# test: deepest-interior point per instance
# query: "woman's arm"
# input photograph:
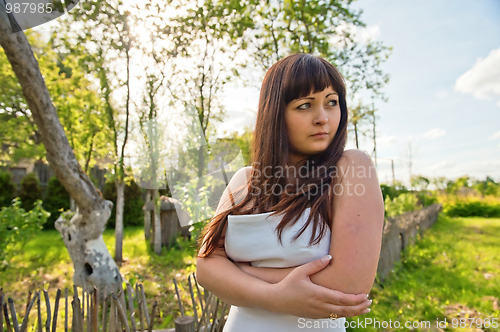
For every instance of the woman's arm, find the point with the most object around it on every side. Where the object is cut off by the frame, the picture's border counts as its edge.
(294, 295)
(357, 227)
(272, 275)
(356, 231)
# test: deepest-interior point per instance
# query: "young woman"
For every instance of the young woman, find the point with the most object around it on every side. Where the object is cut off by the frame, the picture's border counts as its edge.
(296, 237)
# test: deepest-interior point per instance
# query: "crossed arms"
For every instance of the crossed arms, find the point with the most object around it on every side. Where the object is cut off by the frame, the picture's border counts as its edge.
(321, 287)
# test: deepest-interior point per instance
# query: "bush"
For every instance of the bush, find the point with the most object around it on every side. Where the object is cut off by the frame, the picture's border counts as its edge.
(472, 207)
(400, 204)
(56, 200)
(18, 225)
(30, 191)
(426, 198)
(7, 189)
(393, 191)
(132, 211)
(487, 187)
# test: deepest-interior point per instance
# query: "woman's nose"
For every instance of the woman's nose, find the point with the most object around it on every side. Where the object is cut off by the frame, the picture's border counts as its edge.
(321, 117)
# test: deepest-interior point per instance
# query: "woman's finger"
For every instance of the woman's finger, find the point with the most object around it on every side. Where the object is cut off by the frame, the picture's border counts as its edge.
(351, 311)
(343, 299)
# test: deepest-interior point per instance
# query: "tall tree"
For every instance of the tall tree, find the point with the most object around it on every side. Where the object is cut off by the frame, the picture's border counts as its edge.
(358, 116)
(210, 57)
(108, 38)
(194, 58)
(78, 107)
(82, 233)
(78, 104)
(151, 177)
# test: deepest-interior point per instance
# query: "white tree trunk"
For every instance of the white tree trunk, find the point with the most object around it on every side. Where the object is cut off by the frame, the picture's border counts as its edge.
(93, 264)
(120, 202)
(157, 233)
(82, 233)
(147, 216)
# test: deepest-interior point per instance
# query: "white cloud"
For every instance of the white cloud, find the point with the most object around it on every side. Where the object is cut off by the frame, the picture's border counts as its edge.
(482, 80)
(434, 133)
(495, 136)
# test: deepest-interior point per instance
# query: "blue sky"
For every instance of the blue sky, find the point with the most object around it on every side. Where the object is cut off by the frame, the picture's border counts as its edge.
(452, 124)
(444, 92)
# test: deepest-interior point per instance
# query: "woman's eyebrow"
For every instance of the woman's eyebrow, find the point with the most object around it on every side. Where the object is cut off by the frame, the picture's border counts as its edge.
(312, 98)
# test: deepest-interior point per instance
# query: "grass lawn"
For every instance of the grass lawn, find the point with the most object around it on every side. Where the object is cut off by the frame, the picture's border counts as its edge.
(452, 274)
(44, 263)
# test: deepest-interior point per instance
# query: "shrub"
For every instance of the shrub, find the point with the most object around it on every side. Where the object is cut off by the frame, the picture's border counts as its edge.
(134, 215)
(30, 191)
(393, 191)
(7, 189)
(472, 207)
(56, 200)
(487, 187)
(132, 211)
(426, 198)
(16, 226)
(400, 204)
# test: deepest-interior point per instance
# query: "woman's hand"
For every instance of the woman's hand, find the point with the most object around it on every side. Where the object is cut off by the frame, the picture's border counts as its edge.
(296, 294)
(299, 296)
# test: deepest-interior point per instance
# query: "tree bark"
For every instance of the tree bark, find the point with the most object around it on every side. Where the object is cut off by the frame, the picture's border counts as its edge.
(157, 221)
(356, 135)
(147, 216)
(82, 233)
(120, 200)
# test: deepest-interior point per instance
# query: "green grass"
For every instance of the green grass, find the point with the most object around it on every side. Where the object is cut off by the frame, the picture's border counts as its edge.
(44, 263)
(453, 273)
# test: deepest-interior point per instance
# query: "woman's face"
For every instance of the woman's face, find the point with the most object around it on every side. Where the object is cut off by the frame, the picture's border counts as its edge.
(311, 122)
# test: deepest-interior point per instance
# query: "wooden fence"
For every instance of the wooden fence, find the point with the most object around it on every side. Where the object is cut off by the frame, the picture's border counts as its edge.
(402, 231)
(126, 310)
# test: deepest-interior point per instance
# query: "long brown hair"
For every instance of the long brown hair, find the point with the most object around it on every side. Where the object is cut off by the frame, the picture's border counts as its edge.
(291, 78)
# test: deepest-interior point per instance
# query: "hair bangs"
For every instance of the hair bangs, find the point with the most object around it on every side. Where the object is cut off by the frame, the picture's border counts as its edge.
(308, 75)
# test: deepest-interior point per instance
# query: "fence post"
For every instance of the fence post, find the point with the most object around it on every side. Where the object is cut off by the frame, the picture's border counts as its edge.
(184, 324)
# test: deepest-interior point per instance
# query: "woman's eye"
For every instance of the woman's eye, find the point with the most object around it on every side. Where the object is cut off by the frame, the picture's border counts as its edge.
(333, 102)
(304, 106)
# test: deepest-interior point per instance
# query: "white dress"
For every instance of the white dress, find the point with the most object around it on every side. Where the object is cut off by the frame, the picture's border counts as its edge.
(252, 238)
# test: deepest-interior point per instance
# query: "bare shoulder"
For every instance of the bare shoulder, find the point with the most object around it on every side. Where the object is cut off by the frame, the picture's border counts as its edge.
(356, 164)
(247, 170)
(241, 177)
(236, 189)
(355, 157)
